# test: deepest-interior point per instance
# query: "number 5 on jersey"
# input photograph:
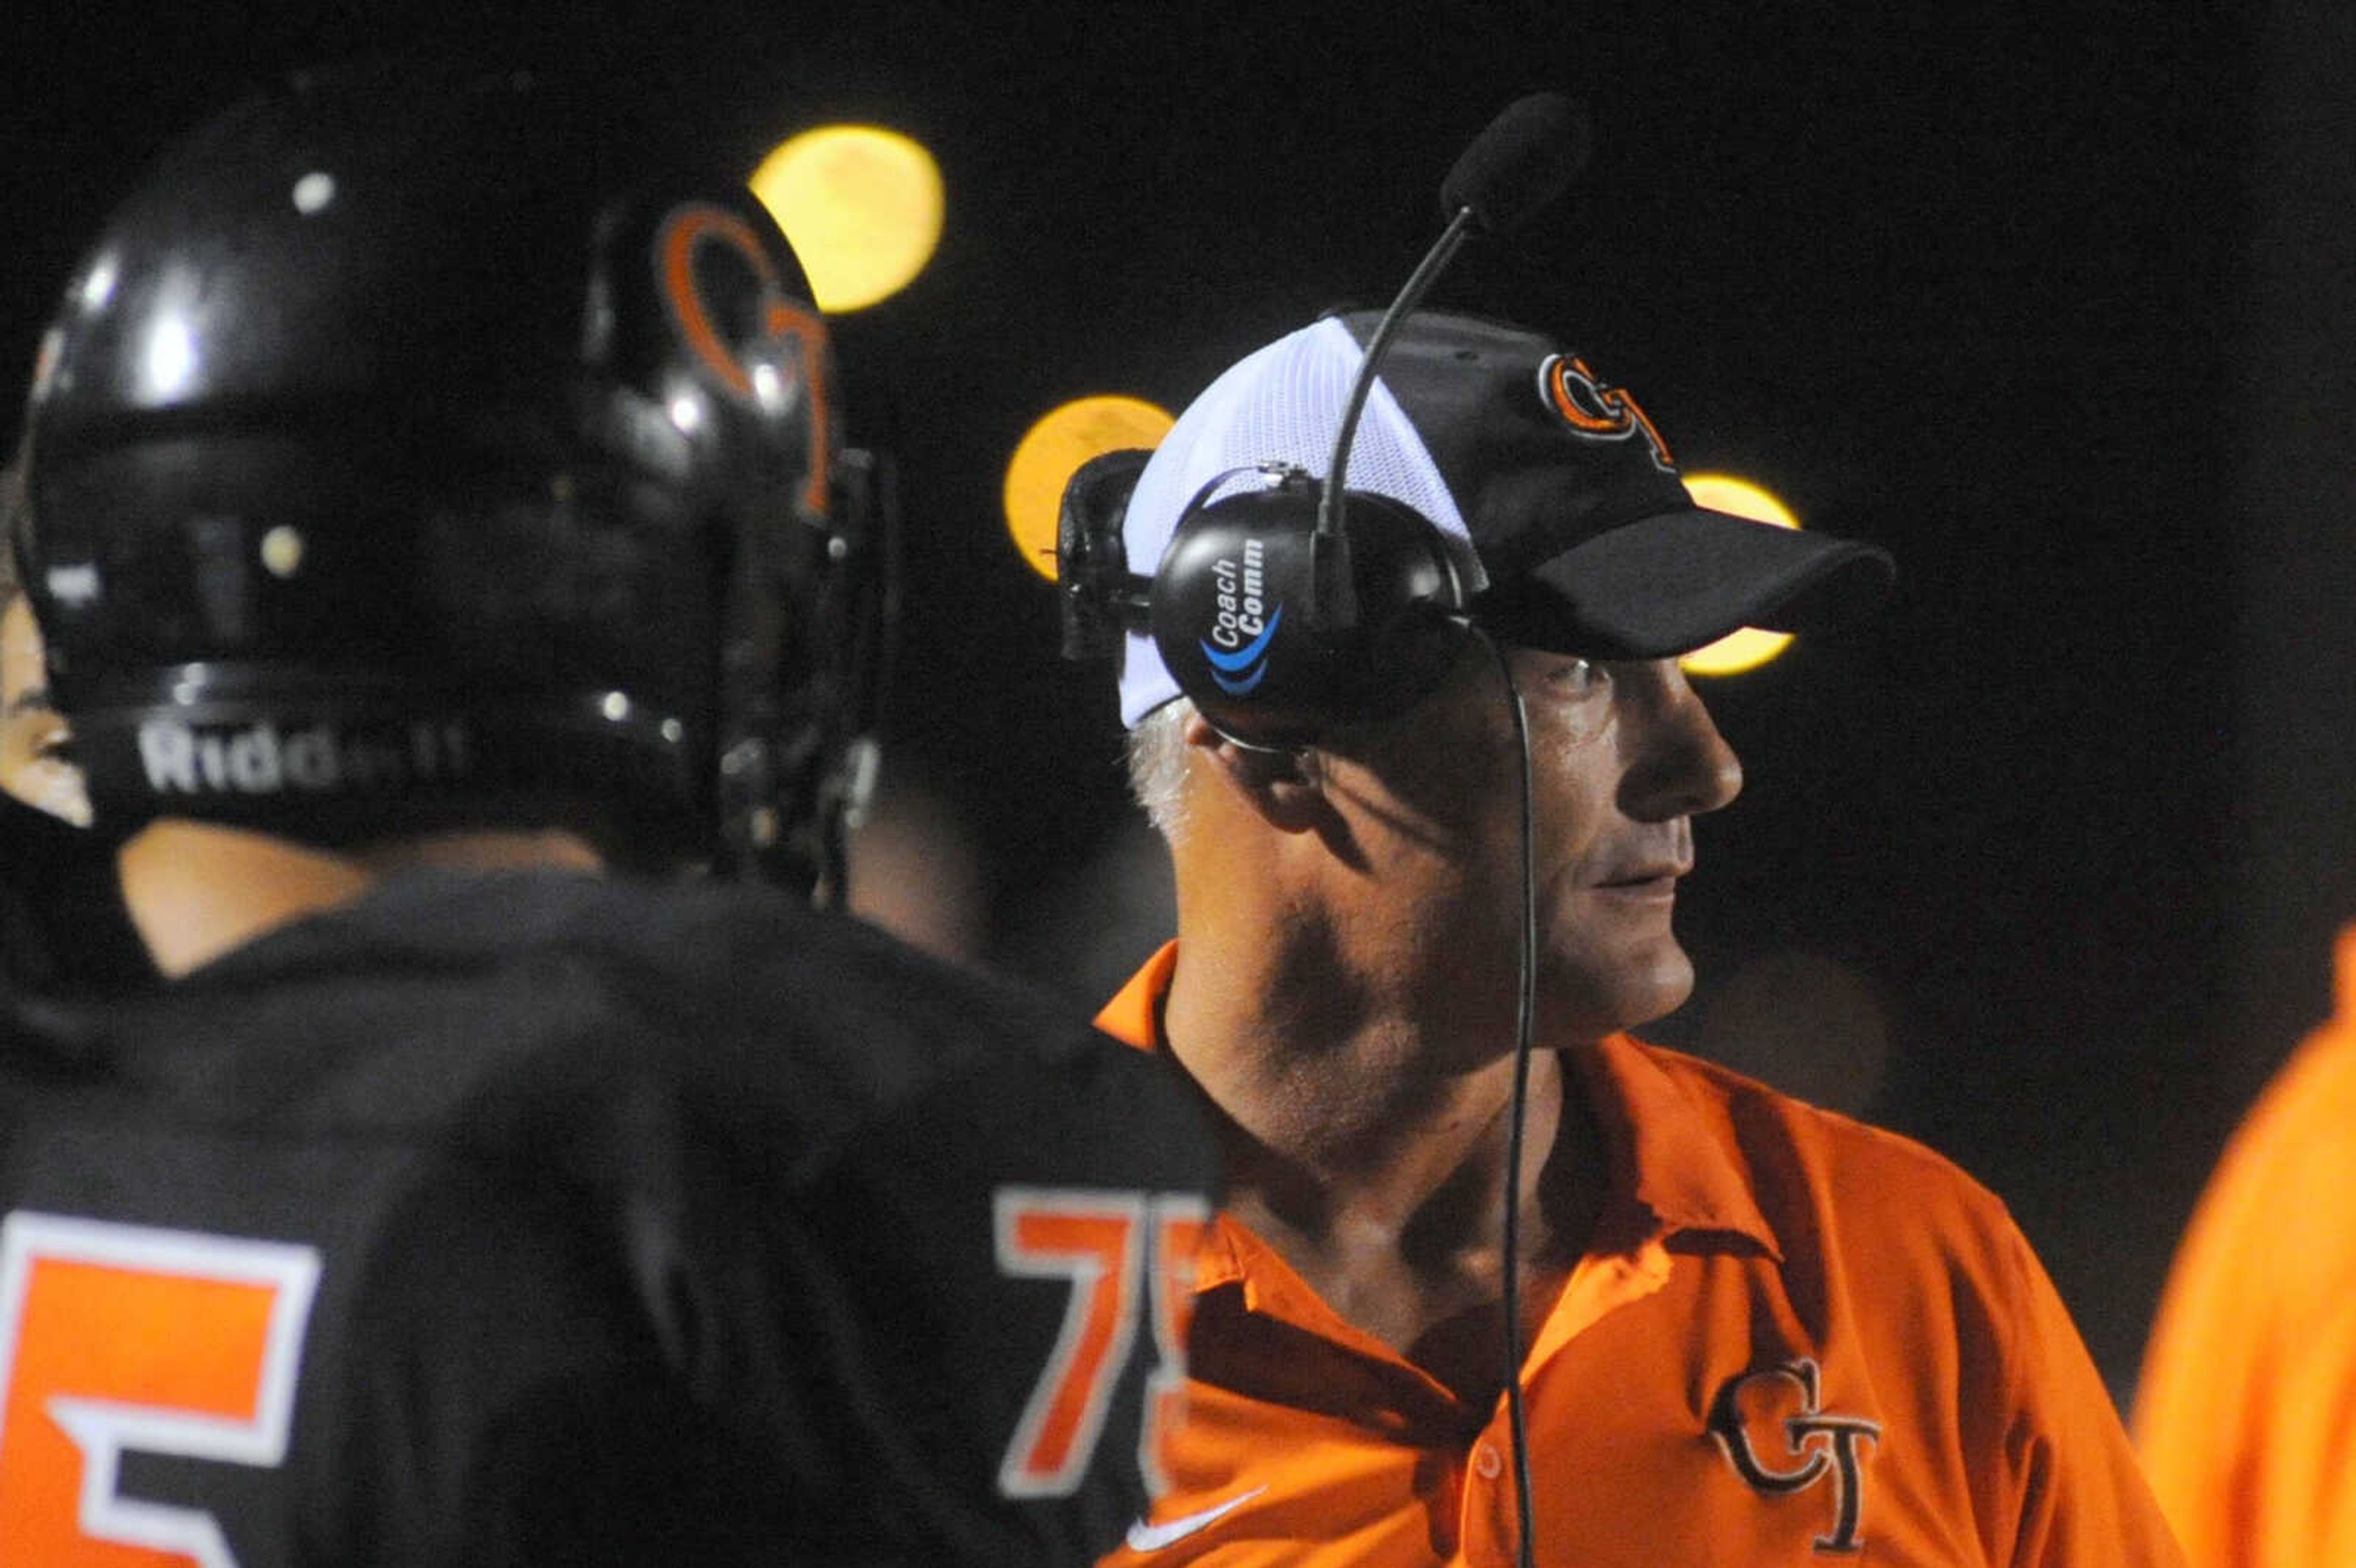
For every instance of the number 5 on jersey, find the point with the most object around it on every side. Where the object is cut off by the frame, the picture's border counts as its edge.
(1108, 1243)
(119, 1337)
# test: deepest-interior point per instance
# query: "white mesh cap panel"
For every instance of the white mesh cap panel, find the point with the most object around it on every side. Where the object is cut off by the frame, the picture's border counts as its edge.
(1281, 404)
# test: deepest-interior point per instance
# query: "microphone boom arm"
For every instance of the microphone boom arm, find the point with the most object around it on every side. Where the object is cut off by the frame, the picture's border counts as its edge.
(1332, 591)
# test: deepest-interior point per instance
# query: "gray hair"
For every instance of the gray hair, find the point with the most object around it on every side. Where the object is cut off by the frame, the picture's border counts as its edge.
(1157, 766)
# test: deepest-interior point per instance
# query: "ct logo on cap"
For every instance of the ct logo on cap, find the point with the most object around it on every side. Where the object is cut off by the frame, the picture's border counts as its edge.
(1593, 410)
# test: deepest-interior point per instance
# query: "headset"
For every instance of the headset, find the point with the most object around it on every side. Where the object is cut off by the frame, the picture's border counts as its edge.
(1383, 606)
(1337, 605)
(1249, 563)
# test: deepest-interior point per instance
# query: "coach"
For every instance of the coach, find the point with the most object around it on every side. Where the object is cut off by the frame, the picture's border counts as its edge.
(1734, 1329)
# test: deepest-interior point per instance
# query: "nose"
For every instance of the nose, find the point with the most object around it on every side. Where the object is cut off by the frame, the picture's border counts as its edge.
(1677, 764)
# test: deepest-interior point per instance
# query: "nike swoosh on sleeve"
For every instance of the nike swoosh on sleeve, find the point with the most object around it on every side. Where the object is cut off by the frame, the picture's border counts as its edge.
(1144, 1537)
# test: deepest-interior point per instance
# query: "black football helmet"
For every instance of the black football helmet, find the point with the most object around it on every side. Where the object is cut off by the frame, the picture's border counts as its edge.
(410, 455)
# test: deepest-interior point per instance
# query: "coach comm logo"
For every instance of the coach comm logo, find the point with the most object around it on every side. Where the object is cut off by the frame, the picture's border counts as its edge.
(1593, 410)
(261, 759)
(1825, 1444)
(1238, 644)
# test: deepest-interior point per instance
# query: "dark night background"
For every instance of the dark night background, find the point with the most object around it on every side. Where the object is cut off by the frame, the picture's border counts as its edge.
(2053, 300)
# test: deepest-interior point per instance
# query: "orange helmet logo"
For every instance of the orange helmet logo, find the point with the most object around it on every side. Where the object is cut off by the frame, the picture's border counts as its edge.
(784, 324)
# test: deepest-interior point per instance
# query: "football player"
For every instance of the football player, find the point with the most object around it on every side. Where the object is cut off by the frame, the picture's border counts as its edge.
(437, 515)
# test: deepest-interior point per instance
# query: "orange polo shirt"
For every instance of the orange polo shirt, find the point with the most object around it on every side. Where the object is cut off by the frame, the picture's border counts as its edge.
(1795, 1339)
(2247, 1409)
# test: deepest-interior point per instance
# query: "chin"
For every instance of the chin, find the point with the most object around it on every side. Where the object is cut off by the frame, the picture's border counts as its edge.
(1628, 994)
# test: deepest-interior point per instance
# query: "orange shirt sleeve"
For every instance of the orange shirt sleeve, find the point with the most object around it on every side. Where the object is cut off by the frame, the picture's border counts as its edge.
(2081, 1495)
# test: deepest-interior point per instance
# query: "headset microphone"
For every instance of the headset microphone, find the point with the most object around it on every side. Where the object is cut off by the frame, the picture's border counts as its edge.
(1521, 165)
(1524, 160)
(1379, 605)
(1284, 608)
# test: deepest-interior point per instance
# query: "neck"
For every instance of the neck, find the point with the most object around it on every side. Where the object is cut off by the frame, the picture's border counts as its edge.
(197, 891)
(1334, 1086)
(1350, 1103)
(1361, 1048)
(1375, 1164)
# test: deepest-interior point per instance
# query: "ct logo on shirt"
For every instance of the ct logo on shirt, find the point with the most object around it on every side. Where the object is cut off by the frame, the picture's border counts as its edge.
(1825, 1444)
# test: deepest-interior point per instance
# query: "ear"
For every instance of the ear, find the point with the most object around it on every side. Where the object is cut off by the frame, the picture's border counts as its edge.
(1283, 785)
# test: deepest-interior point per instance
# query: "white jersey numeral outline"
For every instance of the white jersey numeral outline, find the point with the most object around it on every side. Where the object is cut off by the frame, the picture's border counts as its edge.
(1117, 1247)
(104, 1429)
(1095, 1237)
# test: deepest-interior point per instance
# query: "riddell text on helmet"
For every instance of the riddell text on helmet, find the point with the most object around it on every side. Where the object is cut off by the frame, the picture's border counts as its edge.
(312, 759)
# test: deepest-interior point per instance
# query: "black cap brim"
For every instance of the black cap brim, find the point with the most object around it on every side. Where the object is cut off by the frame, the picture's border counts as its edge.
(1668, 584)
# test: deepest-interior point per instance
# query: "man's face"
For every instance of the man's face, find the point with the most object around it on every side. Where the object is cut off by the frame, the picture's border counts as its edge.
(1622, 755)
(33, 764)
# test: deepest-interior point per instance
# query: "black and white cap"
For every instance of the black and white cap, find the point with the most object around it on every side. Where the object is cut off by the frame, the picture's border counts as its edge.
(1550, 486)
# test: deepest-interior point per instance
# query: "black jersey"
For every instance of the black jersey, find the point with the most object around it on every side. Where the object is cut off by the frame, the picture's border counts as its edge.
(63, 927)
(547, 1217)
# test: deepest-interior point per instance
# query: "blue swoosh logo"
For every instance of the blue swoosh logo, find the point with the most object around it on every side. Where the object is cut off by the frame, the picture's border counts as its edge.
(1239, 687)
(1224, 664)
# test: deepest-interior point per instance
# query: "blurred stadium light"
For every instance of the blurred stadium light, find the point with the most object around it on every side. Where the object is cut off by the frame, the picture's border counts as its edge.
(862, 205)
(1053, 449)
(1749, 647)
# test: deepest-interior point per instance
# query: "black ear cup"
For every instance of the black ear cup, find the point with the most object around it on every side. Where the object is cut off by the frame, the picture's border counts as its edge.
(1231, 617)
(1101, 599)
